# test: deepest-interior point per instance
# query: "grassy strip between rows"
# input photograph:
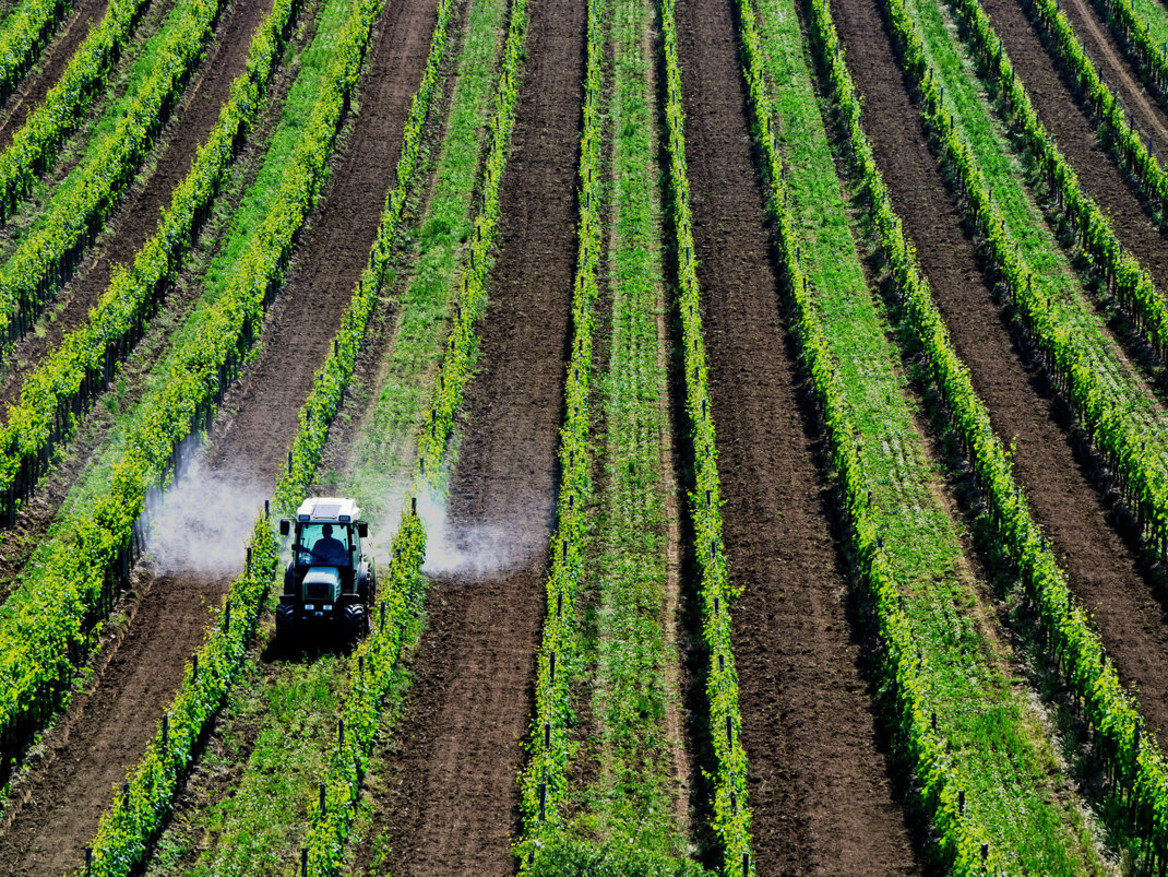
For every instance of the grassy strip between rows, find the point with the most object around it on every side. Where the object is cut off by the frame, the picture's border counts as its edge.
(66, 103)
(986, 777)
(730, 808)
(379, 459)
(1136, 764)
(23, 33)
(544, 780)
(46, 258)
(129, 826)
(1115, 409)
(215, 273)
(374, 661)
(44, 625)
(1111, 712)
(55, 396)
(1134, 289)
(634, 799)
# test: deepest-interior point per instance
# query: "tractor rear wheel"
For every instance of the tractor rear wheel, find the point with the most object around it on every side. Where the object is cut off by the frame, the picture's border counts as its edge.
(354, 621)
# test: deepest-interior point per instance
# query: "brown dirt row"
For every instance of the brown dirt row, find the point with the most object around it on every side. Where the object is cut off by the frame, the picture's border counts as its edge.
(62, 161)
(112, 686)
(47, 72)
(1075, 133)
(332, 252)
(136, 220)
(451, 800)
(110, 727)
(297, 334)
(39, 512)
(820, 790)
(1101, 563)
(1114, 66)
(233, 737)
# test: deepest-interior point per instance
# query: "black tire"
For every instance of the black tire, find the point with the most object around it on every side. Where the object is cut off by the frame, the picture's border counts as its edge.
(354, 621)
(285, 623)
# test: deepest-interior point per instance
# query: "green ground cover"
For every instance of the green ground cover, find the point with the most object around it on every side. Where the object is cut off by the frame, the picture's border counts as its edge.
(1012, 780)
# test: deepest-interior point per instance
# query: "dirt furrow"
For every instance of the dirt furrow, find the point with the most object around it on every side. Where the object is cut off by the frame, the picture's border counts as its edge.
(332, 252)
(137, 219)
(1102, 566)
(55, 57)
(39, 512)
(1075, 133)
(451, 799)
(109, 728)
(74, 788)
(820, 792)
(1114, 67)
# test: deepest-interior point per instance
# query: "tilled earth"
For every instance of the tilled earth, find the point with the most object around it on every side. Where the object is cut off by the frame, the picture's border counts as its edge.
(248, 447)
(137, 218)
(452, 800)
(820, 792)
(1102, 566)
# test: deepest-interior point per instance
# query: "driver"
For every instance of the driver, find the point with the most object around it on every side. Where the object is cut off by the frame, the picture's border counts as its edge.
(328, 550)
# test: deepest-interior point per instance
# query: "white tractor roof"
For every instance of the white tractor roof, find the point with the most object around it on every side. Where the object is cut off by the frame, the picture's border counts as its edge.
(328, 508)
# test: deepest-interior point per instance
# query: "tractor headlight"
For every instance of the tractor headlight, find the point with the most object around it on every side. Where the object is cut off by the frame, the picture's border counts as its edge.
(309, 606)
(328, 607)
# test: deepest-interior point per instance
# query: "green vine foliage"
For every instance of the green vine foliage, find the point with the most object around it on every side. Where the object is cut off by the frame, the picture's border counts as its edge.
(1119, 439)
(462, 343)
(23, 33)
(133, 821)
(544, 780)
(1133, 287)
(372, 666)
(962, 843)
(45, 624)
(731, 810)
(56, 394)
(45, 259)
(64, 107)
(1132, 32)
(1133, 760)
(140, 809)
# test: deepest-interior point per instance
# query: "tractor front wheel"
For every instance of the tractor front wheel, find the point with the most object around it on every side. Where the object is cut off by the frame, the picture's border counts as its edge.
(285, 623)
(354, 621)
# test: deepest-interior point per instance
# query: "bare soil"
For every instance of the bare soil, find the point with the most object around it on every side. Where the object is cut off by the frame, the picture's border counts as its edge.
(820, 790)
(452, 800)
(106, 731)
(137, 218)
(297, 335)
(1113, 65)
(1049, 460)
(55, 57)
(1075, 133)
(40, 510)
(253, 442)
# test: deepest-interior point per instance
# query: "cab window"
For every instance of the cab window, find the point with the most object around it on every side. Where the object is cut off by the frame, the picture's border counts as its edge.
(316, 547)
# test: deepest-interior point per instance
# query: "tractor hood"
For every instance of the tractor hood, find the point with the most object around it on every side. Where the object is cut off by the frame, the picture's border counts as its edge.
(322, 583)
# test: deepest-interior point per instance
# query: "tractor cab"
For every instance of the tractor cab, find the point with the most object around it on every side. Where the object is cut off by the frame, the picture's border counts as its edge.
(329, 579)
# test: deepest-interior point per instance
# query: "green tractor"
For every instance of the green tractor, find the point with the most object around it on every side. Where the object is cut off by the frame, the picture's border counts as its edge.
(329, 583)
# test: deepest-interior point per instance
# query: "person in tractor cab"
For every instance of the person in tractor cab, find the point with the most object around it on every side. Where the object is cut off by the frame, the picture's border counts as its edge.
(329, 550)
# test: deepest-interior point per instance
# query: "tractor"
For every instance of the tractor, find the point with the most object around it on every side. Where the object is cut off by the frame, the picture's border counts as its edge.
(329, 583)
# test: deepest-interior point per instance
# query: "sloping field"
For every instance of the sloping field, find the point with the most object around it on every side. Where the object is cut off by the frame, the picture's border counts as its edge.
(756, 411)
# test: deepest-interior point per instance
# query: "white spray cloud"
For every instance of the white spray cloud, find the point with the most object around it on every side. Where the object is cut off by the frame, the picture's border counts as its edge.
(202, 523)
(476, 550)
